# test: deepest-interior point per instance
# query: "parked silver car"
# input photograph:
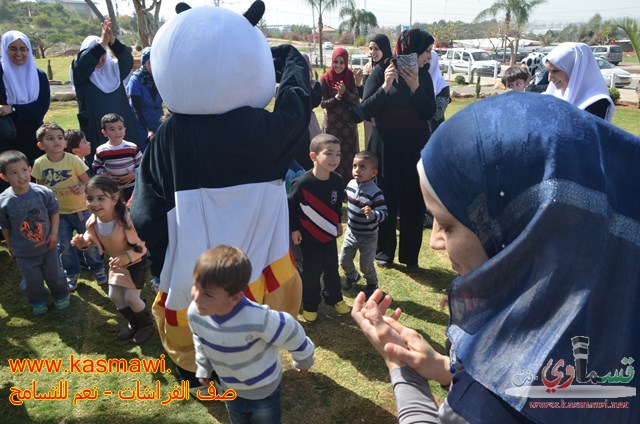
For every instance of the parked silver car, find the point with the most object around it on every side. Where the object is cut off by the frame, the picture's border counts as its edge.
(622, 77)
(609, 53)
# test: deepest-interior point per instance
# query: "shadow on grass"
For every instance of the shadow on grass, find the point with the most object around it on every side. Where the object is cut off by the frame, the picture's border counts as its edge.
(436, 278)
(12, 413)
(88, 326)
(325, 401)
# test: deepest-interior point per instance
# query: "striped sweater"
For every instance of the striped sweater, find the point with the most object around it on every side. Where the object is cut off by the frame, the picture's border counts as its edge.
(359, 196)
(242, 347)
(315, 207)
(117, 161)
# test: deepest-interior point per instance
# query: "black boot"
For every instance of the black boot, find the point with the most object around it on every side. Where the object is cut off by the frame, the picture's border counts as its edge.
(127, 332)
(146, 326)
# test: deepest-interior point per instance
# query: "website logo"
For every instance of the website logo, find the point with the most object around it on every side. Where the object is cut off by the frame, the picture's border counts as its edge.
(560, 380)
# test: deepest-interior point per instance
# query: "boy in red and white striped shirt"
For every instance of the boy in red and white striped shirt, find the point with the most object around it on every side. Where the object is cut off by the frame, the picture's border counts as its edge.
(117, 158)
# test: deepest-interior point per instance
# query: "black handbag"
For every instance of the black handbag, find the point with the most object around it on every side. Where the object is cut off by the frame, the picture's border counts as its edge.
(8, 130)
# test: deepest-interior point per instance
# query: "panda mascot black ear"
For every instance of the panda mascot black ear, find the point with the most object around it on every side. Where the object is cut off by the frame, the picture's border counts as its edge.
(181, 7)
(255, 12)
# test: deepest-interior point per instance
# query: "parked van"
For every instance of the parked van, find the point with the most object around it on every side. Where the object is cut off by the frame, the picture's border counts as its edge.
(609, 53)
(461, 59)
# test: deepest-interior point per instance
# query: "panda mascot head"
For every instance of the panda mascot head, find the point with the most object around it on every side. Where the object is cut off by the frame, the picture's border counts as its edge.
(213, 47)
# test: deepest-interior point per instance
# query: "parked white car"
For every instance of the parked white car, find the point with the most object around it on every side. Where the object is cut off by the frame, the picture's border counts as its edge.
(622, 77)
(461, 59)
(327, 46)
(359, 60)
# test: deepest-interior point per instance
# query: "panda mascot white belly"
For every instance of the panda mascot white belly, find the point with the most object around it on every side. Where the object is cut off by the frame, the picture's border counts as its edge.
(214, 171)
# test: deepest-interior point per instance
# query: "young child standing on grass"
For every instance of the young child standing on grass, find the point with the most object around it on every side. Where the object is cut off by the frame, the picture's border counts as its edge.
(239, 339)
(110, 229)
(66, 174)
(29, 222)
(365, 210)
(117, 158)
(315, 208)
(77, 144)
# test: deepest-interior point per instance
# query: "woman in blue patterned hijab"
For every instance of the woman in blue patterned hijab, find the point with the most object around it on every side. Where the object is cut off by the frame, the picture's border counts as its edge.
(554, 204)
(537, 205)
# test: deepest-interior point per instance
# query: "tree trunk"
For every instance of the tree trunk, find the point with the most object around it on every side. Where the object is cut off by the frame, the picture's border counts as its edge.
(320, 38)
(143, 31)
(94, 9)
(112, 15)
(514, 53)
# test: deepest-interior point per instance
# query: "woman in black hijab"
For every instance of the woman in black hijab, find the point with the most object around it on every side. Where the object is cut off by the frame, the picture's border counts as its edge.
(401, 101)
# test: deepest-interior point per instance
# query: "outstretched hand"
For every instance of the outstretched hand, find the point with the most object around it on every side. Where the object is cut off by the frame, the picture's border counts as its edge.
(398, 345)
(370, 318)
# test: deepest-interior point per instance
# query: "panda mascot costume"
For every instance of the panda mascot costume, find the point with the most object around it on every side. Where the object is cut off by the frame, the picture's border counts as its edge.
(214, 171)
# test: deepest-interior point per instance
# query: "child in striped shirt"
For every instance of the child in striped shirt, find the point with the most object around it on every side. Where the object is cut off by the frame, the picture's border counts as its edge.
(240, 339)
(366, 208)
(117, 158)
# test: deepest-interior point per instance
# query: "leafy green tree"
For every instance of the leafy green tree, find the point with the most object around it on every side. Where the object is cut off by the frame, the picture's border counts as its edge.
(301, 29)
(357, 20)
(320, 7)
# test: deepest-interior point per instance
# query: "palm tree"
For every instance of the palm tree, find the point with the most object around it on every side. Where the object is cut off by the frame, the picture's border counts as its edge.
(500, 6)
(357, 20)
(520, 10)
(522, 13)
(632, 29)
(321, 6)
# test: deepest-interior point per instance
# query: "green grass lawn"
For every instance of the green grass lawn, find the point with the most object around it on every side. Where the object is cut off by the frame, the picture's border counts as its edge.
(59, 66)
(348, 384)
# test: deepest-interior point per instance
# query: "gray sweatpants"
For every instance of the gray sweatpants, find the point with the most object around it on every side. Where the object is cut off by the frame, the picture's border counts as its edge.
(367, 244)
(40, 269)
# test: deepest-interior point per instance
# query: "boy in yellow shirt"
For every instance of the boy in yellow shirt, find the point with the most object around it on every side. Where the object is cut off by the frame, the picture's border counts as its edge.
(66, 174)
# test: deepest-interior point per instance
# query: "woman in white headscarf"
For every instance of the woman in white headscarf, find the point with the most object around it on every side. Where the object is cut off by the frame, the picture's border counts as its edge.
(24, 93)
(97, 80)
(575, 77)
(441, 90)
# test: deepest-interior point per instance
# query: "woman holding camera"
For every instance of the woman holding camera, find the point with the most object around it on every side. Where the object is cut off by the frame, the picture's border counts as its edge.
(401, 101)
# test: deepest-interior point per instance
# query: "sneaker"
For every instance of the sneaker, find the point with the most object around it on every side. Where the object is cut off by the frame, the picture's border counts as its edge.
(350, 283)
(383, 260)
(62, 303)
(309, 316)
(369, 289)
(155, 284)
(40, 308)
(342, 308)
(72, 282)
(101, 277)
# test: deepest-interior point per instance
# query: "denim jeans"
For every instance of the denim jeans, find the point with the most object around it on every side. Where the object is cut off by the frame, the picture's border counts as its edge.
(261, 411)
(69, 254)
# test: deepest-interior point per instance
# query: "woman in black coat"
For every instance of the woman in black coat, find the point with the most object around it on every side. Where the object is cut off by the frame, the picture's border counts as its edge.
(401, 101)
